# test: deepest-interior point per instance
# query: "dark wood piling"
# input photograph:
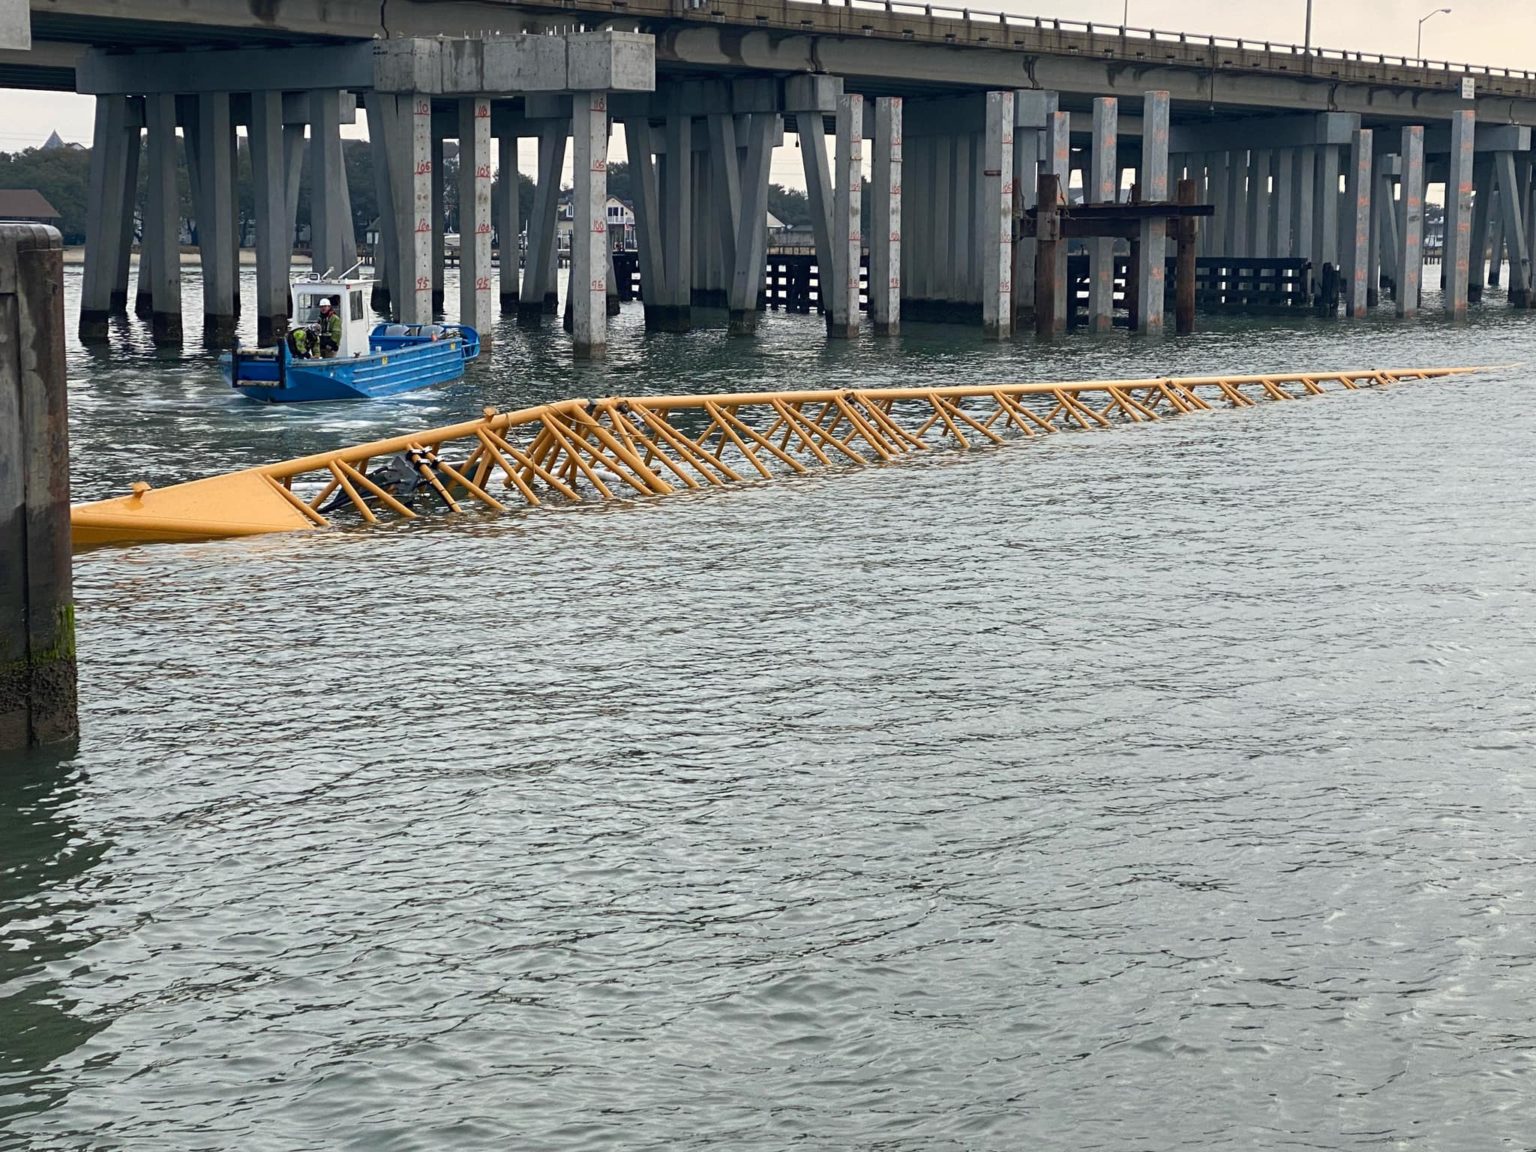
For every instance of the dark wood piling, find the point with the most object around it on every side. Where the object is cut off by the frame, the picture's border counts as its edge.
(37, 616)
(1184, 268)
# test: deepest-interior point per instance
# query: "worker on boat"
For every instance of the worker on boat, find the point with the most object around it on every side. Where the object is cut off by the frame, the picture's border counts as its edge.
(329, 329)
(301, 343)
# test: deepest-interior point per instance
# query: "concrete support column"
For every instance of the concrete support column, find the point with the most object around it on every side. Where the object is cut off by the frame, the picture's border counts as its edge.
(724, 206)
(111, 217)
(997, 219)
(1101, 252)
(965, 286)
(1357, 253)
(1280, 211)
(439, 224)
(1258, 230)
(294, 147)
(216, 216)
(1496, 235)
(542, 255)
(885, 245)
(1031, 110)
(1482, 197)
(1234, 239)
(1151, 276)
(386, 255)
(941, 183)
(1513, 227)
(37, 613)
(162, 220)
(1457, 253)
(654, 288)
(1387, 224)
(752, 232)
(677, 220)
(508, 222)
(822, 196)
(1303, 200)
(1411, 259)
(842, 287)
(474, 114)
(1059, 142)
(119, 295)
(411, 166)
(1218, 229)
(916, 202)
(328, 218)
(1325, 239)
(588, 284)
(274, 243)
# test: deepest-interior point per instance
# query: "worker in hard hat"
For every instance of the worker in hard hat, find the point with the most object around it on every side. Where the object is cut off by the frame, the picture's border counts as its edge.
(329, 327)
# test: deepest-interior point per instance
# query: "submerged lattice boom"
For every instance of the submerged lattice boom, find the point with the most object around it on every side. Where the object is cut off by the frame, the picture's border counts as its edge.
(577, 450)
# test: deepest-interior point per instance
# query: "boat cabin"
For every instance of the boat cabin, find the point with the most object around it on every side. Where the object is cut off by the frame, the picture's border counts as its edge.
(346, 297)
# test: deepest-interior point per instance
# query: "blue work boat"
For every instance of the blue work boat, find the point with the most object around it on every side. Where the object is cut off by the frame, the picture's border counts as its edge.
(381, 360)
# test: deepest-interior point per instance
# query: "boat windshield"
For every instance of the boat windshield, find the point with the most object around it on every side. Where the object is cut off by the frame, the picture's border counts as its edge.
(306, 309)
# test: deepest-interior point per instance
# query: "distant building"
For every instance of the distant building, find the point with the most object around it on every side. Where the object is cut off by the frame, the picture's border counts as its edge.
(621, 223)
(26, 204)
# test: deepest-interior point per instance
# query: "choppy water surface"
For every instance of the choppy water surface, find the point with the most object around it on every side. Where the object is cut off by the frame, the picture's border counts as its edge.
(1158, 788)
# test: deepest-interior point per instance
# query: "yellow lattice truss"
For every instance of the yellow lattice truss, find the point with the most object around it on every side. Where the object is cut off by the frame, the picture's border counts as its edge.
(578, 450)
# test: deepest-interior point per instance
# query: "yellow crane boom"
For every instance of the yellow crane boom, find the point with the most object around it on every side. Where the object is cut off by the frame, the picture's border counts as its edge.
(573, 450)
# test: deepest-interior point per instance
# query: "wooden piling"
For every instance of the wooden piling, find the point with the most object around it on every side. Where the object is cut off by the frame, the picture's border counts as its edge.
(37, 621)
(1184, 267)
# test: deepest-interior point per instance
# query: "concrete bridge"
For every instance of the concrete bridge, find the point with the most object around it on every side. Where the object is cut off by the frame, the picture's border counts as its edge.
(1319, 157)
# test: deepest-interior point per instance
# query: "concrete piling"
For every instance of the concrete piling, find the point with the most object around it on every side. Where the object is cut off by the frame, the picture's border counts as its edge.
(103, 289)
(1150, 271)
(37, 621)
(996, 221)
(474, 116)
(274, 243)
(1458, 212)
(841, 288)
(1410, 261)
(885, 230)
(1357, 255)
(1102, 190)
(162, 221)
(588, 286)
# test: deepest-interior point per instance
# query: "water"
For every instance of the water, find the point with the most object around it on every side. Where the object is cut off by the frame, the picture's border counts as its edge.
(1157, 788)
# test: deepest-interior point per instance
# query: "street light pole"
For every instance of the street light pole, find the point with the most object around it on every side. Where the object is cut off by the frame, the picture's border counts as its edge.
(1418, 51)
(1306, 44)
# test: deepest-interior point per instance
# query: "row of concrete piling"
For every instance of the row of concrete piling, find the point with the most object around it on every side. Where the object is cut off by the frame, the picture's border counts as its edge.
(951, 177)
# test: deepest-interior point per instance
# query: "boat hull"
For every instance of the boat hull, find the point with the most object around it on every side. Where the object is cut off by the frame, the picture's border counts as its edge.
(387, 371)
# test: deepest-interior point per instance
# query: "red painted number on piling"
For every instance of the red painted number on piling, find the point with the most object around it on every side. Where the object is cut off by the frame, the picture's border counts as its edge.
(483, 172)
(424, 167)
(423, 283)
(482, 283)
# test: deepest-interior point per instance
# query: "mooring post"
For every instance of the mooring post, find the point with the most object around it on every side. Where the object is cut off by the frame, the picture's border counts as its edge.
(37, 615)
(1184, 268)
(1047, 244)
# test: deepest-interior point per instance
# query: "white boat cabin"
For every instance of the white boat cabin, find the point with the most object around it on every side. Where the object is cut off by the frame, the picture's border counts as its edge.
(346, 297)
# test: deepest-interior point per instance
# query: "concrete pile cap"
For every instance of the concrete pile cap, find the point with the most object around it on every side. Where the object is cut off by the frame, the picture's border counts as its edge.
(606, 61)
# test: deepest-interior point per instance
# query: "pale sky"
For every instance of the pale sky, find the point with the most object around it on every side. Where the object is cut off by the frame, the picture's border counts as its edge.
(1501, 33)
